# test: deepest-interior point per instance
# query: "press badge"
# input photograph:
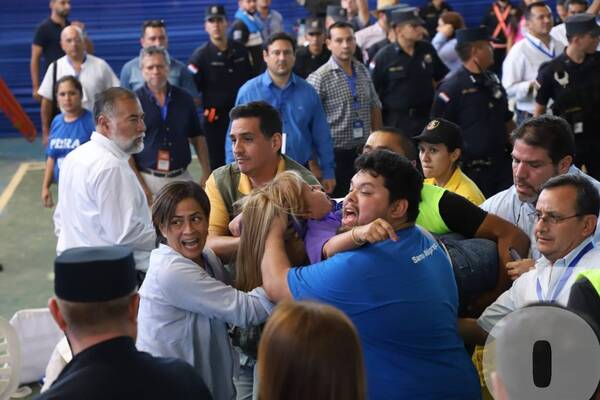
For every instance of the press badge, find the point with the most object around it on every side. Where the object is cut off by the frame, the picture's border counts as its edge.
(163, 162)
(357, 129)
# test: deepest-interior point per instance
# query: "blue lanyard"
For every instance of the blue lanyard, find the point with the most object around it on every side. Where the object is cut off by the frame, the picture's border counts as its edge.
(564, 278)
(540, 48)
(351, 79)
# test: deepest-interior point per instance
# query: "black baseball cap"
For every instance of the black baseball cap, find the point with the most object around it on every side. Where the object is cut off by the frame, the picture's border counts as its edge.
(442, 131)
(582, 23)
(406, 15)
(337, 13)
(315, 25)
(214, 11)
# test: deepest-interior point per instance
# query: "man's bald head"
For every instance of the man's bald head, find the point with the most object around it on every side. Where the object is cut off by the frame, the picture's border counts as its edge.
(71, 41)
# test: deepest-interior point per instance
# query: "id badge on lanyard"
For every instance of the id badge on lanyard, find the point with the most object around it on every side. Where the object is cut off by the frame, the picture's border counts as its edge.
(358, 126)
(163, 161)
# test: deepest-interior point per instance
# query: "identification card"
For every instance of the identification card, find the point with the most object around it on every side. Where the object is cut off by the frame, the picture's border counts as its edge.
(358, 129)
(163, 162)
(578, 127)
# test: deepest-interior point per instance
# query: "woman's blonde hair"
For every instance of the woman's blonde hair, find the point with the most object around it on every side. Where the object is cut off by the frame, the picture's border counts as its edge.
(283, 195)
(310, 351)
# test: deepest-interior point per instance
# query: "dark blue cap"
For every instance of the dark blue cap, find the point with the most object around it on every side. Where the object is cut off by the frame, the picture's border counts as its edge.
(94, 274)
(215, 11)
(470, 35)
(582, 23)
(337, 13)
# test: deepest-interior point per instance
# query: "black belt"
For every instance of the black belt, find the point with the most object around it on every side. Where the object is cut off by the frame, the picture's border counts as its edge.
(163, 174)
(410, 112)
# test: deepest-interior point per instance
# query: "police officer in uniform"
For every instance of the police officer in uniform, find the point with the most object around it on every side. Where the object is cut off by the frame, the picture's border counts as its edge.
(310, 57)
(404, 74)
(220, 67)
(572, 81)
(474, 98)
(95, 305)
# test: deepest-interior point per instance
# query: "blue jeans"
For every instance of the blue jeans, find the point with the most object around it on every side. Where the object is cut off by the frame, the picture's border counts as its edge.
(475, 265)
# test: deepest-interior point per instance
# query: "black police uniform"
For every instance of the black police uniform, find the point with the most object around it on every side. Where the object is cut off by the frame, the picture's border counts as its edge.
(115, 369)
(575, 90)
(256, 52)
(374, 49)
(431, 14)
(478, 104)
(404, 84)
(218, 76)
(307, 63)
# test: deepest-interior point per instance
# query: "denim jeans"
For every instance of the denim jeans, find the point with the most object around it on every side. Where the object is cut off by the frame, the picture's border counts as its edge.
(475, 265)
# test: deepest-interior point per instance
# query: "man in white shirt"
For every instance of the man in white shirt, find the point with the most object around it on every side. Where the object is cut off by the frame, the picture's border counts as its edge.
(521, 65)
(101, 201)
(367, 37)
(543, 147)
(566, 215)
(94, 74)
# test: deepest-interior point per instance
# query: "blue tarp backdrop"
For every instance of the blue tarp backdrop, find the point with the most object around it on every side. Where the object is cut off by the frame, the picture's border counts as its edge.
(114, 28)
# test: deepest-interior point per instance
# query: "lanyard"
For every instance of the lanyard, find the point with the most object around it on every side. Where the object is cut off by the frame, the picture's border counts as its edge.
(540, 48)
(351, 79)
(565, 276)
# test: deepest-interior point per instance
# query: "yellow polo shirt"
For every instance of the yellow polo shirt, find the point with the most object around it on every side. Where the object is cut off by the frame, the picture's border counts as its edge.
(461, 184)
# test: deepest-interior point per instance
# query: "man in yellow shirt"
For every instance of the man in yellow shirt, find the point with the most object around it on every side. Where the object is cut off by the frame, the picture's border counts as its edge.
(256, 140)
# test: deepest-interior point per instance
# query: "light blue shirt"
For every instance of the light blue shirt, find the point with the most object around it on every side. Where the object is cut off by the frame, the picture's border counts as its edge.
(273, 23)
(446, 51)
(507, 205)
(131, 76)
(304, 120)
(184, 311)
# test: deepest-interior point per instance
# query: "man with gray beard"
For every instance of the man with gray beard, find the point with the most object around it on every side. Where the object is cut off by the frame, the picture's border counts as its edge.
(100, 200)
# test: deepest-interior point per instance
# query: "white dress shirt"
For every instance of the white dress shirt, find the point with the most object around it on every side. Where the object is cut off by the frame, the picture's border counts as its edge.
(507, 205)
(521, 66)
(524, 290)
(95, 76)
(101, 202)
(368, 36)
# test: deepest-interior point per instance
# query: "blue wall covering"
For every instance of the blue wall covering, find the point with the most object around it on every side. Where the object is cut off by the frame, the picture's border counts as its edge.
(114, 28)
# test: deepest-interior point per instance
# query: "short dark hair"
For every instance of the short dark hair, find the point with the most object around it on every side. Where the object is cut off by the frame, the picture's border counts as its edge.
(279, 36)
(104, 102)
(97, 317)
(587, 201)
(269, 118)
(152, 23)
(400, 177)
(548, 132)
(578, 2)
(463, 50)
(530, 7)
(153, 50)
(408, 146)
(167, 199)
(73, 80)
(339, 25)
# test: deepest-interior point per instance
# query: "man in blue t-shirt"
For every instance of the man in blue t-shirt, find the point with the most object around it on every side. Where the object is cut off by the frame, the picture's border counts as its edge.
(400, 294)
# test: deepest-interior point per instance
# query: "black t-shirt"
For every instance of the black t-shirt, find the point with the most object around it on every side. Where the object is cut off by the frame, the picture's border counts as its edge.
(307, 63)
(460, 215)
(47, 36)
(584, 299)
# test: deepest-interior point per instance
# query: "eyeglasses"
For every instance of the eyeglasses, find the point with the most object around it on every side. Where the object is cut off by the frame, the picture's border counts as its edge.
(551, 219)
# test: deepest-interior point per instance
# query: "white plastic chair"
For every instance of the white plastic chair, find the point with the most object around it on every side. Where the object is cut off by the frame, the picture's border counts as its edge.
(10, 360)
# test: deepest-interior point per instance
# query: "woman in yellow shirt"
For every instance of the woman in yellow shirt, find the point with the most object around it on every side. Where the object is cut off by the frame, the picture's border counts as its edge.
(440, 146)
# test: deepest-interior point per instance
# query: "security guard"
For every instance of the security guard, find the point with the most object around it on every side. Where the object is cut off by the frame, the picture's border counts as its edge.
(220, 67)
(310, 57)
(572, 81)
(404, 74)
(474, 98)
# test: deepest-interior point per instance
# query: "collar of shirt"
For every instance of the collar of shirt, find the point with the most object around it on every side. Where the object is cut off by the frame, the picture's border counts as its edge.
(562, 263)
(537, 42)
(454, 181)
(245, 186)
(165, 107)
(109, 145)
(268, 81)
(333, 64)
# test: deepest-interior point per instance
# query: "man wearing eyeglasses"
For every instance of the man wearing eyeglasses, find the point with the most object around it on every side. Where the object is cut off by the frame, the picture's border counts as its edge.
(154, 33)
(543, 147)
(566, 215)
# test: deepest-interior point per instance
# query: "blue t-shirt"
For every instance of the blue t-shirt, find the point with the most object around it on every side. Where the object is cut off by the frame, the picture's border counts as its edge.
(65, 136)
(403, 300)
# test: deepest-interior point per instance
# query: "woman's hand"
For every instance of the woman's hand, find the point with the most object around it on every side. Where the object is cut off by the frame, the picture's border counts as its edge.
(235, 226)
(446, 30)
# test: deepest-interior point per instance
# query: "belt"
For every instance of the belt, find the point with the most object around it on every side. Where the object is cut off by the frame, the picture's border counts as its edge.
(162, 174)
(410, 112)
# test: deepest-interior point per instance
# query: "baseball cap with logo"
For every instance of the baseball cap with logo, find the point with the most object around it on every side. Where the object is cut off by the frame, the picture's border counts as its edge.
(582, 23)
(408, 15)
(442, 131)
(214, 11)
(337, 13)
(314, 25)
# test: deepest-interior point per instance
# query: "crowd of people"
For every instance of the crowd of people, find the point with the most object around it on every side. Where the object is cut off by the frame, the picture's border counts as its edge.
(385, 178)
